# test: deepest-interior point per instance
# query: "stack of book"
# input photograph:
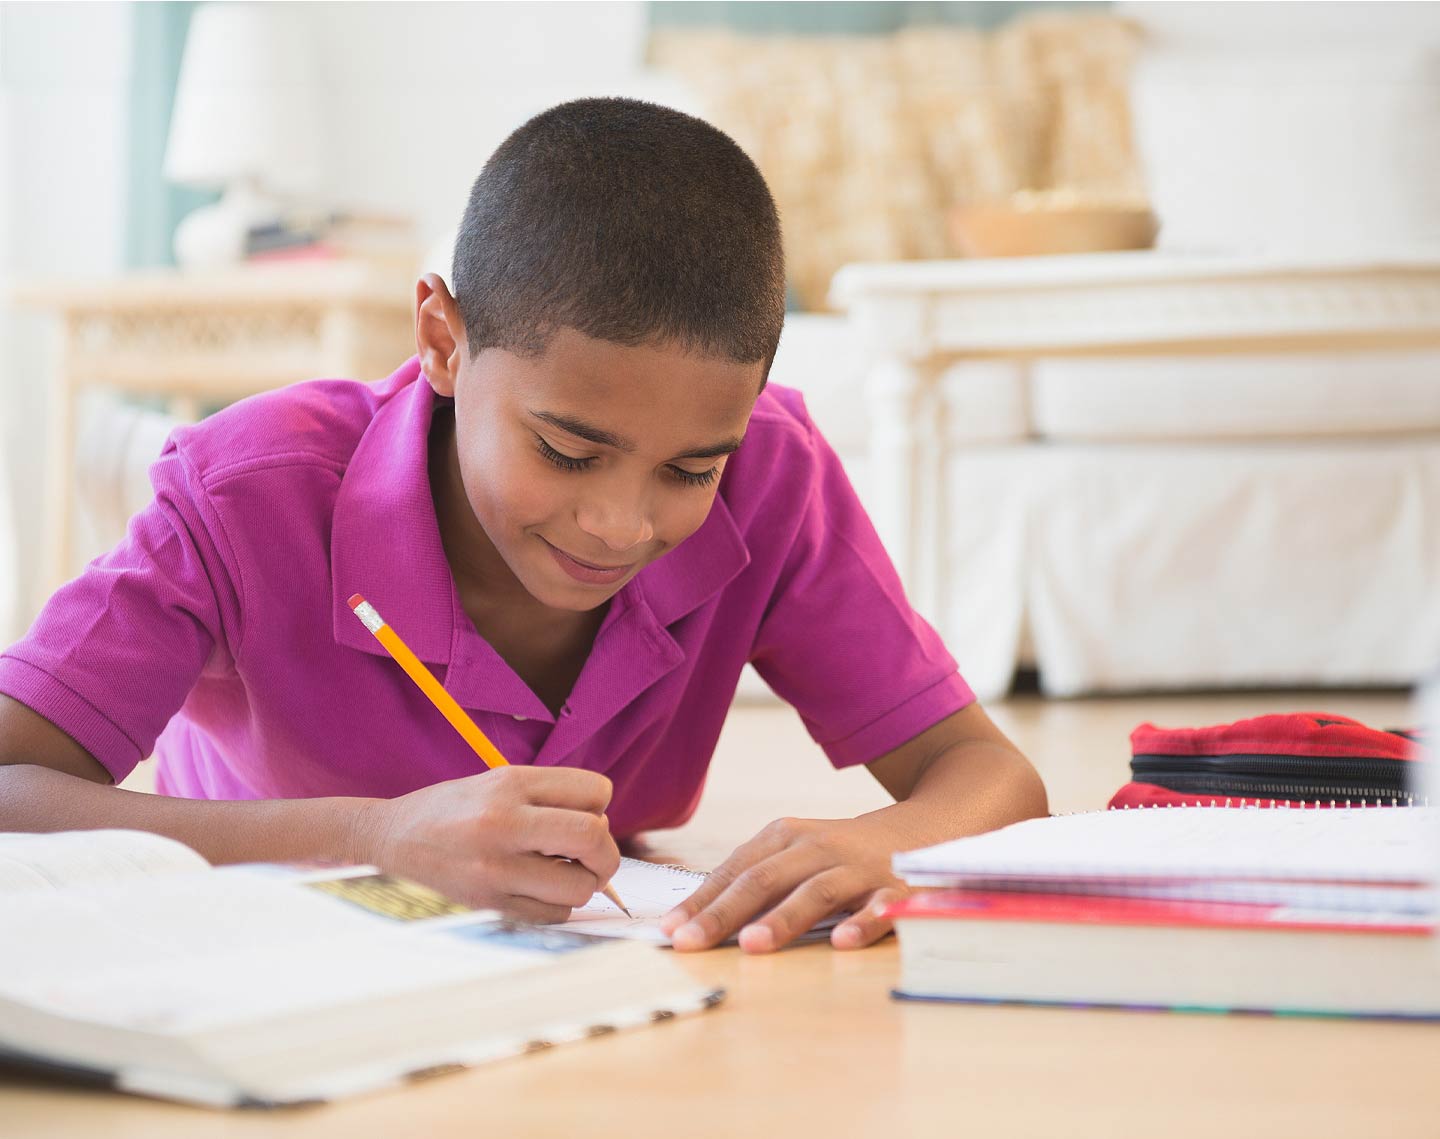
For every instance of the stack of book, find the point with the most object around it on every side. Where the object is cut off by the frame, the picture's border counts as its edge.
(382, 239)
(1320, 911)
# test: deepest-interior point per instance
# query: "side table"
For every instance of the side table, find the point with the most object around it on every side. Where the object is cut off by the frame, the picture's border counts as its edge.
(193, 338)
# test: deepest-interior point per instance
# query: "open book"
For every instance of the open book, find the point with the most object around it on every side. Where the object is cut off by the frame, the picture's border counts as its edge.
(126, 960)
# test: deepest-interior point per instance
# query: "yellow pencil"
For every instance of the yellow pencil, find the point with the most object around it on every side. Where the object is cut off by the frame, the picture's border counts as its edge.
(425, 680)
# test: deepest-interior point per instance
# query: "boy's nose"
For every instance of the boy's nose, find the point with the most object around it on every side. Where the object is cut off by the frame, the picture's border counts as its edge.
(619, 526)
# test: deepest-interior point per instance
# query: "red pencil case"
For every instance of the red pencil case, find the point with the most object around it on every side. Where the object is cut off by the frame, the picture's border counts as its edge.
(1302, 757)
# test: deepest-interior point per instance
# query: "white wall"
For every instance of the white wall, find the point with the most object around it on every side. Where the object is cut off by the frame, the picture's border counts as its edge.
(64, 101)
(422, 93)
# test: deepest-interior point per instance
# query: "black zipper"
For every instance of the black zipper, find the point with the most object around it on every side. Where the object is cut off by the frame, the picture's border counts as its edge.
(1249, 787)
(1298, 776)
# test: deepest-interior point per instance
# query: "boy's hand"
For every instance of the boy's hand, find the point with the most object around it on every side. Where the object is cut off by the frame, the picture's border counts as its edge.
(498, 839)
(796, 872)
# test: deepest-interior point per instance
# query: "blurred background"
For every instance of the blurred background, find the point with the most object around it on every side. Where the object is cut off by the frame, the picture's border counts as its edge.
(1125, 318)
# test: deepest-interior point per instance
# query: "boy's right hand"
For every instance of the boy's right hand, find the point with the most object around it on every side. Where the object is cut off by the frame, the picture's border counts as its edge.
(497, 839)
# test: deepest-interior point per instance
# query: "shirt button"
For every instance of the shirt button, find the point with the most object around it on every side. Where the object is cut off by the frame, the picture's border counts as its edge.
(519, 717)
(565, 709)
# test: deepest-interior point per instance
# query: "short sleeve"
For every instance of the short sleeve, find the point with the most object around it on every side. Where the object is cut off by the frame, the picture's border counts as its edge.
(839, 641)
(113, 654)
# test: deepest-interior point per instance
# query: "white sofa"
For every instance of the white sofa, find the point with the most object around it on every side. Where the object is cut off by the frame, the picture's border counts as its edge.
(1154, 522)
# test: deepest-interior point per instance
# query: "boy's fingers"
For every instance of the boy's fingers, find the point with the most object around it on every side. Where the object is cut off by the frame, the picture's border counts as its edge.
(573, 834)
(718, 881)
(529, 910)
(714, 884)
(818, 897)
(867, 925)
(570, 788)
(553, 882)
(753, 890)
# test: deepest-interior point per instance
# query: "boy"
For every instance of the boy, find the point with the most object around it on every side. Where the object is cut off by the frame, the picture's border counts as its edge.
(580, 505)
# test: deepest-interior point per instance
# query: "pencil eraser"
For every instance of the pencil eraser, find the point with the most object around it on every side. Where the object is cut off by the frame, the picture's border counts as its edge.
(355, 601)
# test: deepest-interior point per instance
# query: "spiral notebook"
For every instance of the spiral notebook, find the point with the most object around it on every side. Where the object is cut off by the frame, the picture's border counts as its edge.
(650, 890)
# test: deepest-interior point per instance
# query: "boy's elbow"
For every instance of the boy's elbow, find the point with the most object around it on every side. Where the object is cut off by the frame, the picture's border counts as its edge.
(1035, 802)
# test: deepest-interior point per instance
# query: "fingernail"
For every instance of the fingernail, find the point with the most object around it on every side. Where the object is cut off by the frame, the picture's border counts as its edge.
(757, 939)
(688, 936)
(848, 935)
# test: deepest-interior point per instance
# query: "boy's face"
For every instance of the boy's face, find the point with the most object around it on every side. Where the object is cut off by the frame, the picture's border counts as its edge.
(584, 465)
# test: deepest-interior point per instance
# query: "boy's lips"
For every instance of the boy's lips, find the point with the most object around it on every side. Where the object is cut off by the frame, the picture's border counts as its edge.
(587, 571)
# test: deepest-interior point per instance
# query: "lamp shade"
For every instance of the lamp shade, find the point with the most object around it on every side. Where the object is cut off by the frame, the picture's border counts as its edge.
(245, 107)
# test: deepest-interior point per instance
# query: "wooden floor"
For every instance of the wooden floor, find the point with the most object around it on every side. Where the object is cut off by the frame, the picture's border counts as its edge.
(766, 765)
(809, 1041)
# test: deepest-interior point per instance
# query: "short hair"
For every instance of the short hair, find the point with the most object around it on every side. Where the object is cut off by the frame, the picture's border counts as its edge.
(629, 222)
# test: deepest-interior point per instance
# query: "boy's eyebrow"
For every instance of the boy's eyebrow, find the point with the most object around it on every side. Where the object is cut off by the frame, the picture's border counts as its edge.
(583, 430)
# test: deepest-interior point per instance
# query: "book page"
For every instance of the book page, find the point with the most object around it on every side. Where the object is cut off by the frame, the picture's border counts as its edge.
(1335, 898)
(1371, 844)
(73, 858)
(183, 952)
(649, 891)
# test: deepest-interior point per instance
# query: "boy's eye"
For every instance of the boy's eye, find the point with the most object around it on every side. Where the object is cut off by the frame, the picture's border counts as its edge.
(571, 463)
(563, 461)
(696, 478)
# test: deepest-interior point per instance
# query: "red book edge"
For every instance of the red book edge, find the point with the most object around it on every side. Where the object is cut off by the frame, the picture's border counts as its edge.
(1090, 909)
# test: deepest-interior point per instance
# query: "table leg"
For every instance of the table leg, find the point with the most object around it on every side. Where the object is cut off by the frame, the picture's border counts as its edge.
(892, 389)
(59, 481)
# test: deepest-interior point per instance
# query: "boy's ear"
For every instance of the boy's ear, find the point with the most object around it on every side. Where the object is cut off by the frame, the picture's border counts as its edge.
(439, 333)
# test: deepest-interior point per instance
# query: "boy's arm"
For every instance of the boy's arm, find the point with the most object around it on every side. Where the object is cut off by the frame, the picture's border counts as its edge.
(959, 777)
(532, 841)
(48, 782)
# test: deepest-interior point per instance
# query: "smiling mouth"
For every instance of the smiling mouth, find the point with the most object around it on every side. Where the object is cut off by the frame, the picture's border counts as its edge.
(588, 570)
(588, 565)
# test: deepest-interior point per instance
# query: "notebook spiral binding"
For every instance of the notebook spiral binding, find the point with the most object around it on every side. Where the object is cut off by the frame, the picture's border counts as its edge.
(1409, 799)
(677, 868)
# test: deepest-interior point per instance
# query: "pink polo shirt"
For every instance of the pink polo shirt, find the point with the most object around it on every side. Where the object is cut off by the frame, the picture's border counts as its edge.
(217, 633)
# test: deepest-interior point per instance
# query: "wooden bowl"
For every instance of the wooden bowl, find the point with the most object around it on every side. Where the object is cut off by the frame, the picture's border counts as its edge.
(1006, 229)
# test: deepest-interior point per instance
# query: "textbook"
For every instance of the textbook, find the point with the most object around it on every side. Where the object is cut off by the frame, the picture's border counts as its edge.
(127, 961)
(1068, 949)
(1321, 911)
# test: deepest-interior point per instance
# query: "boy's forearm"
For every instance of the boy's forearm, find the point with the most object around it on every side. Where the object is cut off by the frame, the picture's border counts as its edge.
(972, 787)
(34, 798)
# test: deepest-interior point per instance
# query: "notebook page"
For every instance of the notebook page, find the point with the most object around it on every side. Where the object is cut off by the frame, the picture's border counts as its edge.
(1375, 844)
(649, 891)
(82, 858)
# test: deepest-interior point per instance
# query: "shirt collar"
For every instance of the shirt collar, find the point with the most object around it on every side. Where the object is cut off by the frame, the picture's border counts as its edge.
(385, 540)
(696, 570)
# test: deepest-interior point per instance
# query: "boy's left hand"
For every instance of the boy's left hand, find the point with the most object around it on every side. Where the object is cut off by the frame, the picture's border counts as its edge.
(796, 872)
